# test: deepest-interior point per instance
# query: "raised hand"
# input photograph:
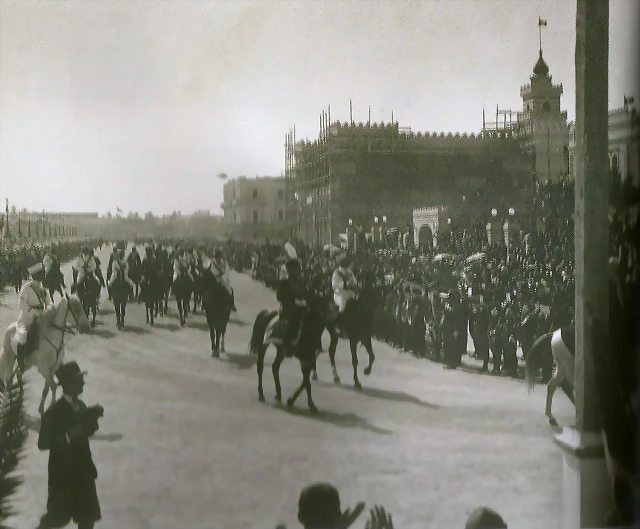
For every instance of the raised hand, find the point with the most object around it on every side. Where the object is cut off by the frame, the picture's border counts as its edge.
(349, 517)
(379, 519)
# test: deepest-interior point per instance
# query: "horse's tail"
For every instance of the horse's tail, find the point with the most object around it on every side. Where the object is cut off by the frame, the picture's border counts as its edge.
(535, 359)
(259, 328)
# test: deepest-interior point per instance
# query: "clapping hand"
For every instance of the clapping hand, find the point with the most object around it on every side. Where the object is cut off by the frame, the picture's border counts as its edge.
(379, 519)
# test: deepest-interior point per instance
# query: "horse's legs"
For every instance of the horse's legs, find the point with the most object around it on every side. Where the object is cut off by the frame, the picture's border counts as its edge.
(49, 384)
(275, 369)
(146, 309)
(221, 333)
(260, 368)
(333, 345)
(150, 312)
(553, 384)
(306, 378)
(182, 318)
(123, 311)
(353, 345)
(372, 357)
(116, 306)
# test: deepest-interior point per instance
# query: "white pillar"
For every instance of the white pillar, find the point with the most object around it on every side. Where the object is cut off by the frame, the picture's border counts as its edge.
(587, 489)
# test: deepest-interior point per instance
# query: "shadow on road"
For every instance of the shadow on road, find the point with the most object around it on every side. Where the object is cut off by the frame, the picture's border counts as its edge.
(168, 326)
(243, 361)
(239, 323)
(200, 325)
(341, 420)
(33, 424)
(385, 394)
(102, 333)
(135, 330)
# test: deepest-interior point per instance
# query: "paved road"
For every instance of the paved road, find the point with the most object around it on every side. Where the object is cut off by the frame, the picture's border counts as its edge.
(185, 442)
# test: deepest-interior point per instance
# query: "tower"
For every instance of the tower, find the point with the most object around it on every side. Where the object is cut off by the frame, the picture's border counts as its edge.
(546, 123)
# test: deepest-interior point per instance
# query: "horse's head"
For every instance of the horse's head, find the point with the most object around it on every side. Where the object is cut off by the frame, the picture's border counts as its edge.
(75, 314)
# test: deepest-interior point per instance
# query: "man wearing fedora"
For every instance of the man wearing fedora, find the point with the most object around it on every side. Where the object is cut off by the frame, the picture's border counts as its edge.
(65, 431)
(33, 300)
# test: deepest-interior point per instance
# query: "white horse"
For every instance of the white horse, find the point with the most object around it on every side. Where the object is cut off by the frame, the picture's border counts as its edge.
(52, 325)
(558, 346)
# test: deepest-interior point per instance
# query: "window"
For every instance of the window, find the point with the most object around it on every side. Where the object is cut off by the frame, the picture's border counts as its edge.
(255, 193)
(255, 216)
(280, 193)
(280, 214)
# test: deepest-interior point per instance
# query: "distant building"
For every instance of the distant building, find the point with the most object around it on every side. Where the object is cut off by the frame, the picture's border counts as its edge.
(255, 208)
(624, 154)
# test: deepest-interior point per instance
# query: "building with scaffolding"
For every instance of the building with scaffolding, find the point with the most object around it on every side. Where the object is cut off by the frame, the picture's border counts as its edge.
(371, 176)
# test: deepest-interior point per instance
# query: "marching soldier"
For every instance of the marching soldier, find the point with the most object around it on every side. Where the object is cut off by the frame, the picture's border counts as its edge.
(33, 300)
(452, 323)
(509, 343)
(479, 330)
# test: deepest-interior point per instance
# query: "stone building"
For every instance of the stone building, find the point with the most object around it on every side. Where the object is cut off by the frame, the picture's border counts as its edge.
(624, 154)
(255, 208)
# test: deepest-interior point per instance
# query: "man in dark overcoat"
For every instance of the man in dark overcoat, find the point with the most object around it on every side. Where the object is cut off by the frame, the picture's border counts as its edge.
(65, 431)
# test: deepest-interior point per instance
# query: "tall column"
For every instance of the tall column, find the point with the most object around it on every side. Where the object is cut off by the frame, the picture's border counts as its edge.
(587, 489)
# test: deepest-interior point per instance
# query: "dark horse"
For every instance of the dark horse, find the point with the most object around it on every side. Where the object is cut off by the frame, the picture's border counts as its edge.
(313, 325)
(217, 304)
(54, 280)
(358, 326)
(120, 292)
(88, 291)
(151, 289)
(182, 289)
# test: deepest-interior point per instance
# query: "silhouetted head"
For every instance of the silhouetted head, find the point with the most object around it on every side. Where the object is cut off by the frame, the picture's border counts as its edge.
(319, 507)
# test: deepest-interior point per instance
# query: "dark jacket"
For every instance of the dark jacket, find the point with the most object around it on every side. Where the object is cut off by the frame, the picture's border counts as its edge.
(70, 463)
(288, 293)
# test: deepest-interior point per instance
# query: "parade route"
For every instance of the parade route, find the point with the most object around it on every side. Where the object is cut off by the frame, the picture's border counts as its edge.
(184, 442)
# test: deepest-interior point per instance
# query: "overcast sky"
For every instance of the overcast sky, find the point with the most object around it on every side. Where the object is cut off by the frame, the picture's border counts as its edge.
(139, 104)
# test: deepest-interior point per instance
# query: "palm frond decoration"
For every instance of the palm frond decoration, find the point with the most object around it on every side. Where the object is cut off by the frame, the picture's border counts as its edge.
(13, 436)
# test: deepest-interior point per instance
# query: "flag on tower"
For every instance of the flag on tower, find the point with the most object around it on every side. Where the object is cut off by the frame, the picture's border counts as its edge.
(541, 22)
(119, 210)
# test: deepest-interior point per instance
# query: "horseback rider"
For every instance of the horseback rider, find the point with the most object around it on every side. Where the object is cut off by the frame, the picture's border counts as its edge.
(98, 269)
(292, 298)
(120, 269)
(345, 287)
(181, 265)
(33, 300)
(84, 266)
(52, 271)
(220, 270)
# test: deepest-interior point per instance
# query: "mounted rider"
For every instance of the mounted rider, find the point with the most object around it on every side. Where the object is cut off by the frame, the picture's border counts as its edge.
(120, 270)
(85, 266)
(219, 267)
(33, 300)
(181, 265)
(345, 287)
(98, 268)
(292, 297)
(52, 271)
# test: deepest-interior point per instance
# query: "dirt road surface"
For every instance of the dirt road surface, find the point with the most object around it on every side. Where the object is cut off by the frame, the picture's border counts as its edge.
(184, 442)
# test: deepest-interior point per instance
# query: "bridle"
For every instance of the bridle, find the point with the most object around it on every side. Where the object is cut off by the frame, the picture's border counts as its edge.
(64, 330)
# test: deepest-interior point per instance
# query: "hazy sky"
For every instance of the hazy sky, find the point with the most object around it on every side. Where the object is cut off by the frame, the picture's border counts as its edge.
(139, 104)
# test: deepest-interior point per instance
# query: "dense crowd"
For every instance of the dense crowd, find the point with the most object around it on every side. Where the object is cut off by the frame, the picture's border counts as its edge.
(18, 255)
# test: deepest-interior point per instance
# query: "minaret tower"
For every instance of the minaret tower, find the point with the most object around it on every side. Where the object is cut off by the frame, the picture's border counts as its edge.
(546, 123)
